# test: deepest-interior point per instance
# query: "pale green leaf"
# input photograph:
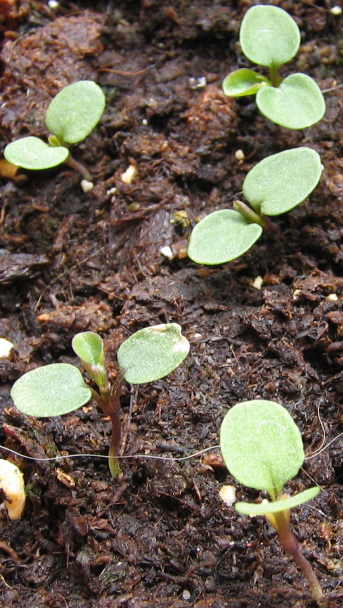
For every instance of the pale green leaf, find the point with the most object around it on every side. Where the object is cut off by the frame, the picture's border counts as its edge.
(282, 181)
(89, 347)
(152, 353)
(248, 508)
(297, 103)
(75, 111)
(34, 154)
(243, 82)
(269, 36)
(50, 390)
(222, 236)
(261, 445)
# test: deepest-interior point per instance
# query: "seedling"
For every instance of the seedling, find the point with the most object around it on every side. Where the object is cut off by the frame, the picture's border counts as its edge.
(59, 388)
(262, 448)
(270, 37)
(274, 186)
(71, 117)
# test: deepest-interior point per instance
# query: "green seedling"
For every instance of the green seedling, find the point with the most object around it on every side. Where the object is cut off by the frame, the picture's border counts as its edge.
(71, 117)
(274, 186)
(262, 448)
(53, 390)
(270, 37)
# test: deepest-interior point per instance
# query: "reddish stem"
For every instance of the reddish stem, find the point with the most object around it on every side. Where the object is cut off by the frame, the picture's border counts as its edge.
(290, 544)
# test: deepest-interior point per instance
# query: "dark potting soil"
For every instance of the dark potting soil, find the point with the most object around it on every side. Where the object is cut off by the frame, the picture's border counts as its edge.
(75, 261)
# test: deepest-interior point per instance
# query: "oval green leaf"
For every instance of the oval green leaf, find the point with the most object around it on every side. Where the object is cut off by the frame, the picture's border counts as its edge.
(34, 154)
(75, 111)
(89, 347)
(297, 103)
(261, 445)
(248, 508)
(222, 236)
(282, 181)
(50, 390)
(243, 82)
(269, 36)
(152, 353)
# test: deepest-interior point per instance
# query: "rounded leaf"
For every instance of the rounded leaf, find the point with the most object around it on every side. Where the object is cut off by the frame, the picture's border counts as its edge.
(261, 445)
(264, 508)
(269, 36)
(222, 236)
(282, 181)
(33, 153)
(75, 111)
(89, 347)
(152, 353)
(243, 82)
(297, 103)
(50, 390)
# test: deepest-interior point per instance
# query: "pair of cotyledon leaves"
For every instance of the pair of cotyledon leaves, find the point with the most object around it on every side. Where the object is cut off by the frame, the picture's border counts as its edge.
(71, 117)
(59, 388)
(270, 37)
(275, 185)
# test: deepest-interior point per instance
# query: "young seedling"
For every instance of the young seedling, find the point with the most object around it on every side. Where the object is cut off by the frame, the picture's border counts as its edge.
(262, 448)
(59, 388)
(270, 37)
(71, 117)
(274, 186)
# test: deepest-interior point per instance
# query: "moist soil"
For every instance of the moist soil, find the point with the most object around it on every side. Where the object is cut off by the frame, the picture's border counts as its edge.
(74, 261)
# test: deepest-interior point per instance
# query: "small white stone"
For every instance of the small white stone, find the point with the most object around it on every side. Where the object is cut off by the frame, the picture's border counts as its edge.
(257, 284)
(167, 252)
(5, 347)
(239, 155)
(129, 174)
(197, 83)
(228, 495)
(186, 595)
(336, 10)
(53, 4)
(86, 185)
(333, 297)
(197, 337)
(112, 191)
(144, 122)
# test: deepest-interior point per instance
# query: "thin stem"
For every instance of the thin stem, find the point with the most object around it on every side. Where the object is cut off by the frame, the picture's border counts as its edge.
(248, 213)
(109, 401)
(289, 542)
(274, 75)
(269, 224)
(79, 167)
(113, 452)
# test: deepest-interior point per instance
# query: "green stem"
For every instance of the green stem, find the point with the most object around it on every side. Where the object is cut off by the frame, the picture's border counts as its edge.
(274, 75)
(290, 544)
(248, 213)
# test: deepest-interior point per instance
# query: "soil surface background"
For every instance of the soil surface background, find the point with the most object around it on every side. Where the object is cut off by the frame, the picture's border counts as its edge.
(74, 261)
